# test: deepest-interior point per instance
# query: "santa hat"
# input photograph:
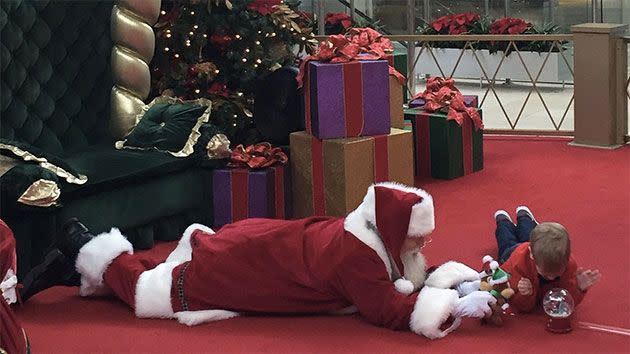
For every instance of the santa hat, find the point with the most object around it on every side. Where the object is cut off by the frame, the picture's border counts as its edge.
(400, 212)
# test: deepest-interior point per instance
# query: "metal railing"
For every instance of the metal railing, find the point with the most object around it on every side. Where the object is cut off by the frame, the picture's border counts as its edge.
(471, 45)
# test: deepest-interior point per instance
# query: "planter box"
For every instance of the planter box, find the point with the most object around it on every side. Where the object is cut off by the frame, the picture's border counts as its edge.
(555, 69)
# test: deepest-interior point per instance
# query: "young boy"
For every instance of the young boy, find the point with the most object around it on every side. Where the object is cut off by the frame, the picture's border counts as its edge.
(538, 256)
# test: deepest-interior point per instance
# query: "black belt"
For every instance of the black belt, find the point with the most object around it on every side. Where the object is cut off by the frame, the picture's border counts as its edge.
(180, 286)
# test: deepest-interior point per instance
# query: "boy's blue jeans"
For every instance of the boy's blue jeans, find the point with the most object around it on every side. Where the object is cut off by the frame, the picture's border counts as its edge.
(509, 236)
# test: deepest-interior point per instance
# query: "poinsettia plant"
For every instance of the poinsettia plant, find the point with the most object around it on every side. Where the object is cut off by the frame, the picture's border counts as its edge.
(338, 22)
(473, 23)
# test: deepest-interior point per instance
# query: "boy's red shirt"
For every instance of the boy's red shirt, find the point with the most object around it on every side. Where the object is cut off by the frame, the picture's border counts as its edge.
(521, 265)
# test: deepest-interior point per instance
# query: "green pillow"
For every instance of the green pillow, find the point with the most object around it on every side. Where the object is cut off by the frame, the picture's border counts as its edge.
(168, 124)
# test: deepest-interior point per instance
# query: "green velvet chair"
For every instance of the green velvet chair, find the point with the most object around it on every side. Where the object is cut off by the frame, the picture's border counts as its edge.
(59, 95)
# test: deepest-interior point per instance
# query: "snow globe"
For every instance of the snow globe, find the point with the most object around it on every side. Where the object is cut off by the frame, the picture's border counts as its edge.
(558, 305)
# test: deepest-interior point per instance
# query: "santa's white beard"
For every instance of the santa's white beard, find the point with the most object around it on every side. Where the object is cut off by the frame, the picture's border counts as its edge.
(415, 267)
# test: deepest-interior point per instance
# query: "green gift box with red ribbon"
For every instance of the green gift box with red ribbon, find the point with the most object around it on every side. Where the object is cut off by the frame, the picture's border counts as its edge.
(442, 148)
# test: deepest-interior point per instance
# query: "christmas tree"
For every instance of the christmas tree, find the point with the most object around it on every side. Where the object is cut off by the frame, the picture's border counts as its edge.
(217, 49)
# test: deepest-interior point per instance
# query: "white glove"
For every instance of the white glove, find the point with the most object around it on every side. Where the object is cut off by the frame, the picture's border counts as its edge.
(467, 287)
(475, 304)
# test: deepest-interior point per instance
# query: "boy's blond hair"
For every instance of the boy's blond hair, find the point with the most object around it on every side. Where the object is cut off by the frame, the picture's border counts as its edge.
(551, 246)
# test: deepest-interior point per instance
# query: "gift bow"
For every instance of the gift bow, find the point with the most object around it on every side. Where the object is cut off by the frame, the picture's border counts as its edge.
(257, 156)
(441, 94)
(357, 44)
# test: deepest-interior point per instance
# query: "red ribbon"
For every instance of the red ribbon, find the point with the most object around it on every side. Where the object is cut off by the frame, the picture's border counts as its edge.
(442, 95)
(279, 211)
(257, 156)
(357, 44)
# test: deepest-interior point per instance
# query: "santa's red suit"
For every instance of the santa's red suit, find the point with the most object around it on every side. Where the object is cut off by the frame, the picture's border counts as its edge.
(312, 265)
(12, 336)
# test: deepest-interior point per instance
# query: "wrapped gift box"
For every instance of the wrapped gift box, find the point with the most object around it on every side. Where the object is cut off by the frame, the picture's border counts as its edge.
(396, 110)
(469, 101)
(399, 62)
(240, 193)
(331, 177)
(397, 92)
(444, 149)
(347, 99)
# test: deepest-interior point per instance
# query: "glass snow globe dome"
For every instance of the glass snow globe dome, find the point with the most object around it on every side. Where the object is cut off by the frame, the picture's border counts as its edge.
(558, 305)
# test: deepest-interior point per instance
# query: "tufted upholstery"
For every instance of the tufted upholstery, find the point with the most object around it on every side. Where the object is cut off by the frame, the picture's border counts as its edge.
(55, 72)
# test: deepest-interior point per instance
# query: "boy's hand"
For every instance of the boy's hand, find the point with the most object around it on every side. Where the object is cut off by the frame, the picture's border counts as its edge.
(586, 278)
(525, 286)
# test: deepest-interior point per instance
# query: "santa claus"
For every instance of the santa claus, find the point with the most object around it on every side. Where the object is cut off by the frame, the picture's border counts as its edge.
(369, 261)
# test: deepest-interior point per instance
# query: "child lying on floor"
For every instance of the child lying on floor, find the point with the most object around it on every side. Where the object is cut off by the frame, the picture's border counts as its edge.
(538, 257)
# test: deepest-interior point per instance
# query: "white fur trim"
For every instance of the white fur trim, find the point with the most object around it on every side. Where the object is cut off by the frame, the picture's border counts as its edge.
(450, 274)
(183, 251)
(193, 318)
(153, 292)
(7, 287)
(356, 224)
(404, 286)
(94, 258)
(487, 258)
(432, 308)
(422, 220)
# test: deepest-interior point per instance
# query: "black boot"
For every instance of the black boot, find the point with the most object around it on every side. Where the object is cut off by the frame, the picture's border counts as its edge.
(58, 266)
(72, 237)
(55, 269)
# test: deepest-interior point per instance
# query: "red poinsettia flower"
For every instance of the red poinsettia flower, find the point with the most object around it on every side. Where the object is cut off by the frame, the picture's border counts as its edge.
(263, 7)
(218, 89)
(456, 24)
(453, 30)
(509, 25)
(339, 18)
(441, 22)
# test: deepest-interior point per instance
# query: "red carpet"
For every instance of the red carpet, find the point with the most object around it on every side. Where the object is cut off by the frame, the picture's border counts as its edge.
(585, 189)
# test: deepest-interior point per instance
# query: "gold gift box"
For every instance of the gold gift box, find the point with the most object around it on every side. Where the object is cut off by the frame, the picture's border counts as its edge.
(396, 112)
(335, 183)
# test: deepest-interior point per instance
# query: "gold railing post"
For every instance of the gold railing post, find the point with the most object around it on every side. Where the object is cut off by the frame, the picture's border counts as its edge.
(600, 115)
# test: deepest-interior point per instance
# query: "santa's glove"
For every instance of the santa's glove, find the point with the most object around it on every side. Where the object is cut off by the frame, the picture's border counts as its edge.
(475, 304)
(467, 287)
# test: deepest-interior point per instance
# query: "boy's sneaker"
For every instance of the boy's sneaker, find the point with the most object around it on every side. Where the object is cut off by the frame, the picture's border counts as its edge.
(502, 215)
(524, 211)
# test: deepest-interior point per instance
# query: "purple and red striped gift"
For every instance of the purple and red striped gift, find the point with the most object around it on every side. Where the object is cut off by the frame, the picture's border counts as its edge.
(240, 193)
(347, 99)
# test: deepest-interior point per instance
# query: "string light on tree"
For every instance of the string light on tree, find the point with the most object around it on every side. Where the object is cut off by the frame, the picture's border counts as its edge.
(199, 56)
